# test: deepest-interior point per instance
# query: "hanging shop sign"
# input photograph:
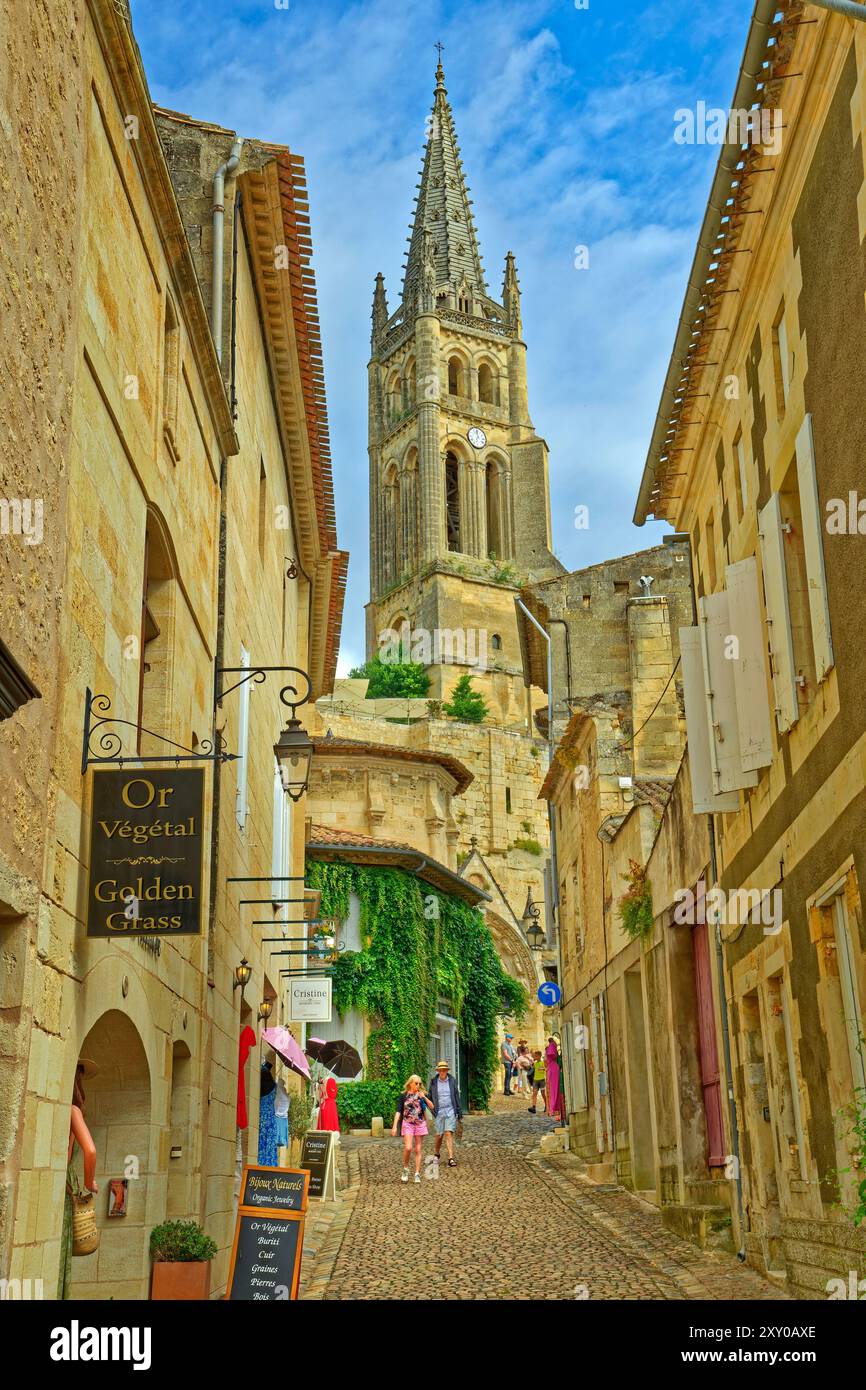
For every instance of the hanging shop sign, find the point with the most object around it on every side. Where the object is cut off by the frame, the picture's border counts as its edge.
(310, 1000)
(269, 1239)
(146, 852)
(319, 1158)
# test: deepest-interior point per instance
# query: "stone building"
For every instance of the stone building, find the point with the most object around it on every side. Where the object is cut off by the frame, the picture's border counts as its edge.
(403, 795)
(757, 455)
(633, 1008)
(459, 497)
(459, 519)
(37, 354)
(196, 543)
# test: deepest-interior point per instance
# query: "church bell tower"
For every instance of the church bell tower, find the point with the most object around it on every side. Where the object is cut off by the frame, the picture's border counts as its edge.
(459, 496)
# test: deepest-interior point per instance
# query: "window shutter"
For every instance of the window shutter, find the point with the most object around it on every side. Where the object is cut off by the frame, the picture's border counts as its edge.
(703, 797)
(813, 545)
(241, 803)
(750, 672)
(727, 771)
(778, 613)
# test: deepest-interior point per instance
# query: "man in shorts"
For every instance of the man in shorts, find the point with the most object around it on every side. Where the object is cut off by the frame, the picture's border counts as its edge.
(445, 1096)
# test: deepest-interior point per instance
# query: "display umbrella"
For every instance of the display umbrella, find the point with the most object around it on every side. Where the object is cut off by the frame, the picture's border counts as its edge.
(341, 1058)
(281, 1040)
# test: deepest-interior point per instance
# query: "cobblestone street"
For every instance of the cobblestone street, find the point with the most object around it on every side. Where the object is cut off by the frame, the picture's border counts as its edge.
(506, 1222)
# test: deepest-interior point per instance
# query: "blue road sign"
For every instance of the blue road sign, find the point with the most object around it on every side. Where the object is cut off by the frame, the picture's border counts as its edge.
(549, 994)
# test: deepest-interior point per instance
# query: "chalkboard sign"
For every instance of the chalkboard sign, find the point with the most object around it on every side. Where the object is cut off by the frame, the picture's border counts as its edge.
(277, 1189)
(269, 1235)
(317, 1156)
(266, 1258)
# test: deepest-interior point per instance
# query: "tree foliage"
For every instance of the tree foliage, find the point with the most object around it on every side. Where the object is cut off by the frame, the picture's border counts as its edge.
(393, 679)
(418, 945)
(466, 704)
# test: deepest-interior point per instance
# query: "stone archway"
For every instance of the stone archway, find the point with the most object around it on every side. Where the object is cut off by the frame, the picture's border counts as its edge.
(118, 1110)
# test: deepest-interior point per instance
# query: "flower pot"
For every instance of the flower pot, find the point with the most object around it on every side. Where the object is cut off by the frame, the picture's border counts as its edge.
(180, 1281)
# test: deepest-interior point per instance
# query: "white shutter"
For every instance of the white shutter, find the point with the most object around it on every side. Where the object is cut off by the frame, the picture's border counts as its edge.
(778, 613)
(727, 771)
(703, 796)
(750, 671)
(813, 545)
(241, 803)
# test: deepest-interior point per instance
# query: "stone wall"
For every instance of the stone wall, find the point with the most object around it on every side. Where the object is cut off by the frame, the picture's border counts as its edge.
(41, 116)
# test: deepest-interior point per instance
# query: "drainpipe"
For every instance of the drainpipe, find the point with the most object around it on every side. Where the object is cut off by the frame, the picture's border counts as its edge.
(219, 212)
(849, 8)
(546, 635)
(551, 815)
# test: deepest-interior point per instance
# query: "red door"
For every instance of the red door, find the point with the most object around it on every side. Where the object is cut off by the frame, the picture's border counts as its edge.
(709, 1056)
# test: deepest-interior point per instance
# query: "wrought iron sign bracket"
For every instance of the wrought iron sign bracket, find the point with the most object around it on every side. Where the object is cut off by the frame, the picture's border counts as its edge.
(97, 715)
(259, 675)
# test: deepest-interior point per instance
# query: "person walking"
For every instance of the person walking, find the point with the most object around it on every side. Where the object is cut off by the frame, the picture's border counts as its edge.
(552, 1076)
(411, 1114)
(508, 1056)
(446, 1097)
(524, 1067)
(537, 1080)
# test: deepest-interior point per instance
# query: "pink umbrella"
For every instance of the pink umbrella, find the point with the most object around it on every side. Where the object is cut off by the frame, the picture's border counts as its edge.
(281, 1040)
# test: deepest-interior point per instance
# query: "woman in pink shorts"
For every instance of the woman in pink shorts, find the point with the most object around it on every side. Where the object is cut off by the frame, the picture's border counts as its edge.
(411, 1113)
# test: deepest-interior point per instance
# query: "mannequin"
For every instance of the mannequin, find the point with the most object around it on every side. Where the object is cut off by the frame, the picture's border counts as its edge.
(267, 1117)
(78, 1134)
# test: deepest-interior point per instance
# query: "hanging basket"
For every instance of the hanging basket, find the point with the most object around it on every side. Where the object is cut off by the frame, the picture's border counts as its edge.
(85, 1236)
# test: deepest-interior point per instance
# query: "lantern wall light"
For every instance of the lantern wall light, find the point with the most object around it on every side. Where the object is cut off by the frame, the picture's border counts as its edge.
(293, 749)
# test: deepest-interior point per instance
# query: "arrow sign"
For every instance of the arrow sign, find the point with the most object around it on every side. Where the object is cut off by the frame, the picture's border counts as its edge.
(549, 994)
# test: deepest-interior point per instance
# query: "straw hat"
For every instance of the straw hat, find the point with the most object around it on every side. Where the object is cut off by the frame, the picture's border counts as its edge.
(441, 1065)
(89, 1068)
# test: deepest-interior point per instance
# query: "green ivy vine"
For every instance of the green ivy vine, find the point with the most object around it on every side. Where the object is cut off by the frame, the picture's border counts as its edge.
(418, 945)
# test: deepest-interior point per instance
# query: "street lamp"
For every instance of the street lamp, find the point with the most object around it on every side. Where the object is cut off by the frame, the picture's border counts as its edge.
(265, 1009)
(294, 754)
(242, 975)
(533, 932)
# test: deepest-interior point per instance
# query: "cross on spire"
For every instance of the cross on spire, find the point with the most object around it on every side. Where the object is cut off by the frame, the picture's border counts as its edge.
(441, 50)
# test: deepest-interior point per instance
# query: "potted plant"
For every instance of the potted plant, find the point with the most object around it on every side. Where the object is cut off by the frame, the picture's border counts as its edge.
(181, 1254)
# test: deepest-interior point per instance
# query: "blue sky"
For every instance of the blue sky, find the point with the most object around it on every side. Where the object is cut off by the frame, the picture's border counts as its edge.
(565, 118)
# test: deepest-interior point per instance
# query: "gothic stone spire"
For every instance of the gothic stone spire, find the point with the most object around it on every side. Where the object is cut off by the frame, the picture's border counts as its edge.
(444, 210)
(380, 306)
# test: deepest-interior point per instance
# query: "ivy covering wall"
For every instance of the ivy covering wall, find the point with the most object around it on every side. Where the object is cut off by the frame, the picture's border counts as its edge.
(418, 945)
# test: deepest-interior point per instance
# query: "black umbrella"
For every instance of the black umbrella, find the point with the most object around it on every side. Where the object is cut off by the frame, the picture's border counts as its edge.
(340, 1058)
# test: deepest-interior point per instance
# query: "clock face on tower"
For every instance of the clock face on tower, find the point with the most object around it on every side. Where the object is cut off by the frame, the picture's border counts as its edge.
(477, 438)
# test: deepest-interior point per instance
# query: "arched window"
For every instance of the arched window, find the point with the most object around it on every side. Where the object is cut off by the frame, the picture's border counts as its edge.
(456, 377)
(391, 547)
(411, 385)
(493, 490)
(393, 396)
(488, 384)
(496, 642)
(452, 501)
